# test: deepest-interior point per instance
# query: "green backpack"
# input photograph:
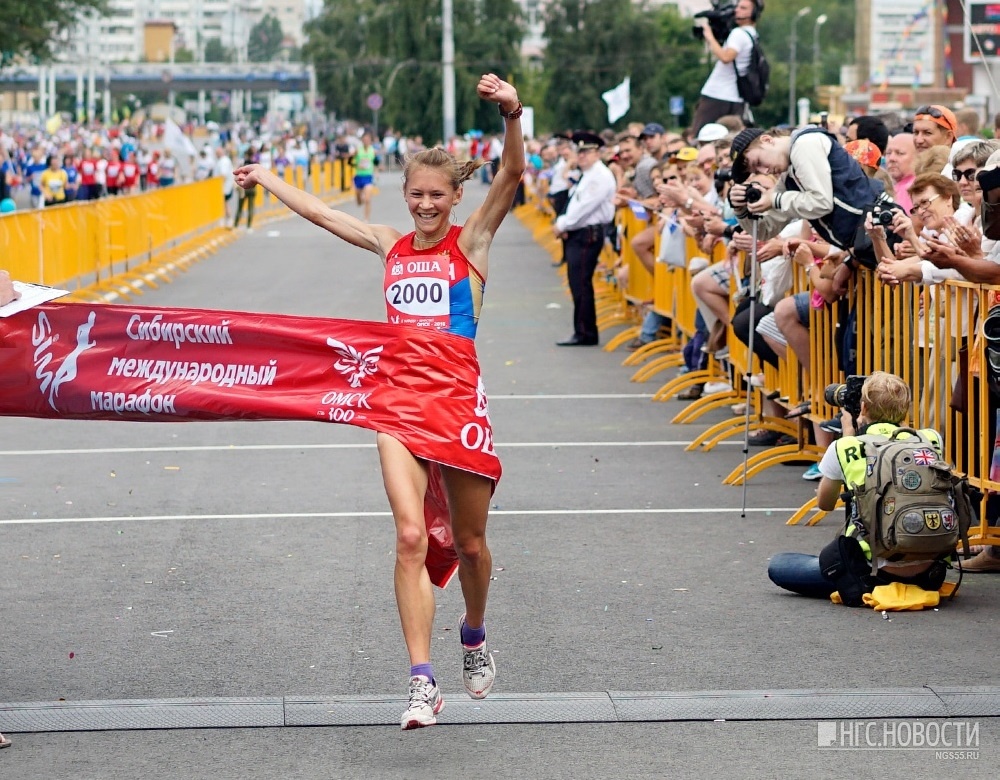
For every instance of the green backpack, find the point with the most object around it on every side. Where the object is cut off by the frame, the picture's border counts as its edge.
(912, 504)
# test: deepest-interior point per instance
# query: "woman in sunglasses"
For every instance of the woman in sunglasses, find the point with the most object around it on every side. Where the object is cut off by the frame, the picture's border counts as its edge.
(966, 166)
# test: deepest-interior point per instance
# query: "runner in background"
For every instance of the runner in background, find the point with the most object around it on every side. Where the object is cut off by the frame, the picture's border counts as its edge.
(432, 187)
(365, 162)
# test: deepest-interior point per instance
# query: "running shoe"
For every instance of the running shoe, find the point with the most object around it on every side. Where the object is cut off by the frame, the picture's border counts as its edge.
(425, 703)
(813, 473)
(478, 669)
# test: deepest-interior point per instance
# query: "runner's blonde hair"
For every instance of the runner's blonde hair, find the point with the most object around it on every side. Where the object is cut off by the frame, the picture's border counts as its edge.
(438, 159)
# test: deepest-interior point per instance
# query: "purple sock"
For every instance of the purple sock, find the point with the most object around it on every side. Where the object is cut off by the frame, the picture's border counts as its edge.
(423, 670)
(472, 636)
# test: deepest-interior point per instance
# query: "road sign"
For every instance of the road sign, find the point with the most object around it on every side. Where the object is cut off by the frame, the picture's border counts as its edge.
(374, 101)
(676, 105)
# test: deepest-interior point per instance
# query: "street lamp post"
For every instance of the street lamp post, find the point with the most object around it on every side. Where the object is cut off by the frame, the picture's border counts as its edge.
(820, 21)
(792, 64)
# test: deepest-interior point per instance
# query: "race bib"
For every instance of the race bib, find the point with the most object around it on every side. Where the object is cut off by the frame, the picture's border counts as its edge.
(417, 291)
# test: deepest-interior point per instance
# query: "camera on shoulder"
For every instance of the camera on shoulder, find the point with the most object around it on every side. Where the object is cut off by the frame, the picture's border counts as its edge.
(721, 18)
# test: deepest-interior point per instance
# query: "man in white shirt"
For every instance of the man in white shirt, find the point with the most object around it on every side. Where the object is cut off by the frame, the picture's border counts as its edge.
(583, 228)
(720, 96)
(224, 168)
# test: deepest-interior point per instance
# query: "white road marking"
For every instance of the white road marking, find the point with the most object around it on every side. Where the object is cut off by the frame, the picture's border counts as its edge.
(358, 446)
(334, 515)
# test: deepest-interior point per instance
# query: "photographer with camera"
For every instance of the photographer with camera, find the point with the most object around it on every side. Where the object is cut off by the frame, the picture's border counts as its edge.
(735, 24)
(820, 182)
(873, 406)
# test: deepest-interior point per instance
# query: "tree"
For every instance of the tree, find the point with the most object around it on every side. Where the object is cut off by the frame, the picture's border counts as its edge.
(393, 48)
(593, 45)
(30, 28)
(216, 52)
(264, 44)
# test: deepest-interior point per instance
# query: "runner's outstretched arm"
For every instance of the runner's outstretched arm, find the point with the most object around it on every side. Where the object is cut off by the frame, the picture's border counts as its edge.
(484, 221)
(374, 238)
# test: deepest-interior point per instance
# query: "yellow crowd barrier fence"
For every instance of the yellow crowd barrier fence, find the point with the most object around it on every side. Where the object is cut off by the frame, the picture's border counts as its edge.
(118, 246)
(925, 334)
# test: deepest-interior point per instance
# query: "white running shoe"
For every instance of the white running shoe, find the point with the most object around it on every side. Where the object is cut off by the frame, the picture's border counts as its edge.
(478, 669)
(426, 702)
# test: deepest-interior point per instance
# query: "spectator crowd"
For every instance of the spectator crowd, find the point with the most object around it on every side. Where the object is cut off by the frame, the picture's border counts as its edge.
(896, 199)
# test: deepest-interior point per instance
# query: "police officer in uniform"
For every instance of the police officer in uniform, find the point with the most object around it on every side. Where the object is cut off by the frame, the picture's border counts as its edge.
(583, 228)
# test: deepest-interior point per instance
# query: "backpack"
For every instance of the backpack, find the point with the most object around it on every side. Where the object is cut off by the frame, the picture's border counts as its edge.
(753, 84)
(912, 505)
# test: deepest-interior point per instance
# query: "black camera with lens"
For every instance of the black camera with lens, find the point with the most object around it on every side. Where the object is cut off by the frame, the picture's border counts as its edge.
(882, 216)
(722, 177)
(721, 18)
(753, 193)
(846, 396)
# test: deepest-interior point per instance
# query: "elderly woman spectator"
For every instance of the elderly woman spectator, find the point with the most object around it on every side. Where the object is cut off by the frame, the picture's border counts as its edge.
(935, 201)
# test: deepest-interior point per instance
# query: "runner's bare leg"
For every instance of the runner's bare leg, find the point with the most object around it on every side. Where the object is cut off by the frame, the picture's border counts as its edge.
(469, 501)
(405, 479)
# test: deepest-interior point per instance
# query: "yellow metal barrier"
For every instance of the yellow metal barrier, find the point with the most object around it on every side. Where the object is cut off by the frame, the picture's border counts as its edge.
(118, 246)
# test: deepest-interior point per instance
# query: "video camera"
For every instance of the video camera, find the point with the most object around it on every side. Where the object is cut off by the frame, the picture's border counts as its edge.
(720, 18)
(846, 396)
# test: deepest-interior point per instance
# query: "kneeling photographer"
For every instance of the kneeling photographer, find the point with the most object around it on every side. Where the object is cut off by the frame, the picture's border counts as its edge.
(874, 407)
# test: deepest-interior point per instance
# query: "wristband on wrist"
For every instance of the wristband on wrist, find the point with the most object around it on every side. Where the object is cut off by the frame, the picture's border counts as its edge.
(515, 114)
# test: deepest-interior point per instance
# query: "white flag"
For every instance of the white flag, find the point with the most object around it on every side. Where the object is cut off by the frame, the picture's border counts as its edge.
(618, 100)
(175, 140)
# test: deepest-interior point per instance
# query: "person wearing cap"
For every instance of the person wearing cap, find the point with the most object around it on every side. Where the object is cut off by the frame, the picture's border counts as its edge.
(654, 138)
(583, 229)
(711, 133)
(934, 126)
(821, 183)
(720, 96)
(869, 157)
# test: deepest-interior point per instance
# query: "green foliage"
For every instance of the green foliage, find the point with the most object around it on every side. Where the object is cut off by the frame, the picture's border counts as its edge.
(836, 48)
(30, 28)
(183, 55)
(216, 52)
(393, 48)
(264, 44)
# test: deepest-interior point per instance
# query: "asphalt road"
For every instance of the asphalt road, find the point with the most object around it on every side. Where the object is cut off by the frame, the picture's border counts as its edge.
(152, 561)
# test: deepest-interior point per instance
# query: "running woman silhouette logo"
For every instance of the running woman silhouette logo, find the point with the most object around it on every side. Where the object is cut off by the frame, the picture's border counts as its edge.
(43, 339)
(353, 363)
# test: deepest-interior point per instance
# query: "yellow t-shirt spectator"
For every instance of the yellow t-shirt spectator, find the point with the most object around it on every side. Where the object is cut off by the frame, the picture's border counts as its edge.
(54, 183)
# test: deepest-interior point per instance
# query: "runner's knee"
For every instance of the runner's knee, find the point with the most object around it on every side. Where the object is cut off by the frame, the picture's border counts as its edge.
(411, 540)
